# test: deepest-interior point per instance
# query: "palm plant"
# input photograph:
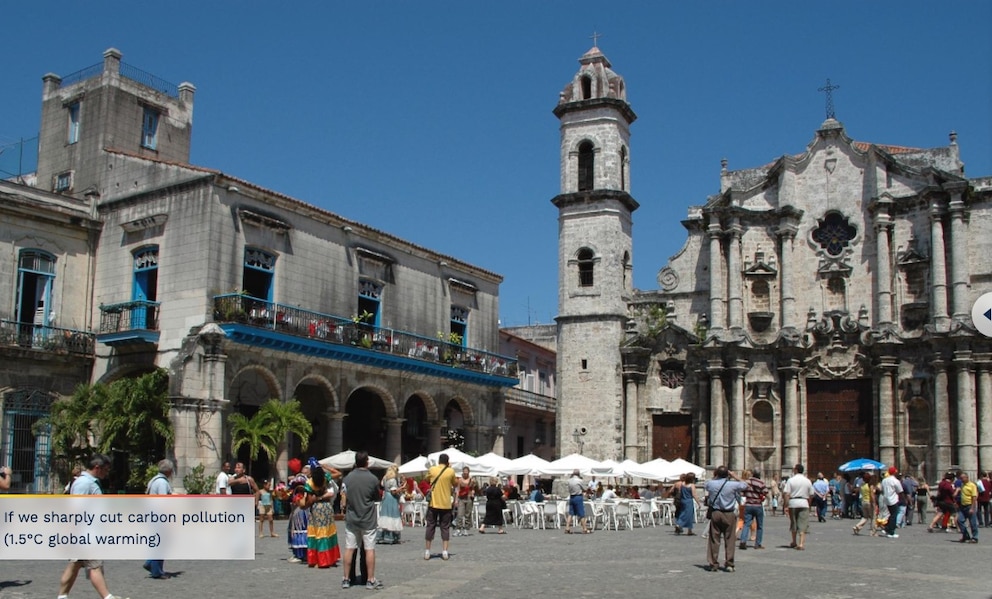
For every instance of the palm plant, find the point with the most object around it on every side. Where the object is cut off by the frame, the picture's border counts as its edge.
(256, 433)
(287, 418)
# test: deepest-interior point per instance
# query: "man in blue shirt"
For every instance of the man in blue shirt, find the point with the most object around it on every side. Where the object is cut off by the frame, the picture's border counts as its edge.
(159, 485)
(821, 488)
(721, 495)
(87, 483)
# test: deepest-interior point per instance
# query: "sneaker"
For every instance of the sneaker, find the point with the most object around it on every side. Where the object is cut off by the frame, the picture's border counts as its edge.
(759, 546)
(728, 569)
(373, 585)
(893, 536)
(973, 541)
(345, 583)
(444, 555)
(427, 554)
(295, 560)
(742, 546)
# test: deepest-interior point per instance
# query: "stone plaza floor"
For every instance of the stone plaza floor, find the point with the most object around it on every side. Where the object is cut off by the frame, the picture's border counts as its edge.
(639, 563)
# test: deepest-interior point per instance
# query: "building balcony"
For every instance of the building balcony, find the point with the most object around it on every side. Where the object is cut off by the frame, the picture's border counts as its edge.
(46, 339)
(129, 323)
(256, 321)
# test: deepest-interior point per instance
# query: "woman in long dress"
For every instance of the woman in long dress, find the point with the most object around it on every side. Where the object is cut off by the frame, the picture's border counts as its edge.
(390, 520)
(298, 519)
(322, 534)
(687, 517)
(494, 507)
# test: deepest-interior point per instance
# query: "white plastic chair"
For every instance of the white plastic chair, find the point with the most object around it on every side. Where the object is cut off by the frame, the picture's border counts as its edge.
(561, 512)
(479, 513)
(413, 512)
(622, 516)
(667, 511)
(527, 515)
(641, 512)
(596, 512)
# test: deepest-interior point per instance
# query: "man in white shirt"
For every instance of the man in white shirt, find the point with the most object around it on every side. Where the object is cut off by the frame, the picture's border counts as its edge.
(609, 494)
(891, 489)
(223, 487)
(796, 495)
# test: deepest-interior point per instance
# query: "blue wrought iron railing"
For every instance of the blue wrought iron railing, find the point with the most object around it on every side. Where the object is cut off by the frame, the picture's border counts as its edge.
(127, 71)
(129, 316)
(328, 328)
(45, 338)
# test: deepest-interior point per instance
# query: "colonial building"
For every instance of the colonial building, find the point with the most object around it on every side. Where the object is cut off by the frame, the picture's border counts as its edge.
(242, 293)
(530, 404)
(820, 309)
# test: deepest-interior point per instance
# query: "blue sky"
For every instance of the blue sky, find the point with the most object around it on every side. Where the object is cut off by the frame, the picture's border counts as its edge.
(432, 120)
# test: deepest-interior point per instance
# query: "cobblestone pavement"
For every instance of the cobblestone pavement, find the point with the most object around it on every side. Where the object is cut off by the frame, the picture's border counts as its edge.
(640, 563)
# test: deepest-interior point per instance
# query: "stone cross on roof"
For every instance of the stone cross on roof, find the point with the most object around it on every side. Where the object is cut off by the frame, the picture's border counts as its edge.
(829, 89)
(595, 38)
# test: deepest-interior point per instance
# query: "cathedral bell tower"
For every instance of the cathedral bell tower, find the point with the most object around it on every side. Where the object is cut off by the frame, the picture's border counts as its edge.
(594, 258)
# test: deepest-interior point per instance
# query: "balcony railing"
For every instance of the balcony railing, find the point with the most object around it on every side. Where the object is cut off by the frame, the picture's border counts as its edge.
(129, 316)
(338, 330)
(50, 339)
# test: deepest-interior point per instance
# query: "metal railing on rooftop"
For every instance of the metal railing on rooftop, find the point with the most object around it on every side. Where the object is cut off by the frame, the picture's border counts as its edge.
(127, 71)
(45, 338)
(328, 328)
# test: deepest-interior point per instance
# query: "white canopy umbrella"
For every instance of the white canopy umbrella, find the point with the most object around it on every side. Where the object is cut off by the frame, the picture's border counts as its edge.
(417, 465)
(657, 469)
(529, 464)
(623, 468)
(346, 461)
(571, 462)
(458, 459)
(497, 462)
(684, 467)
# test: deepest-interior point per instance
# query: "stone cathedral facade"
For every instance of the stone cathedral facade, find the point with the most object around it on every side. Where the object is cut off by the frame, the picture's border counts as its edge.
(819, 310)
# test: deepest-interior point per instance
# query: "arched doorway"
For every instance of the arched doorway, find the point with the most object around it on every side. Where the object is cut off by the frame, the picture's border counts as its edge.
(415, 428)
(364, 424)
(453, 426)
(249, 391)
(315, 401)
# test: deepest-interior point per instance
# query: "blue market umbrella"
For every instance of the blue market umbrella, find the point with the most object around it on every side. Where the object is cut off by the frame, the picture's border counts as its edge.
(861, 464)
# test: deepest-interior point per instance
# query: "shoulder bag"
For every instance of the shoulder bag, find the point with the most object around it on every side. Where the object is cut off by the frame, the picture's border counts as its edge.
(427, 497)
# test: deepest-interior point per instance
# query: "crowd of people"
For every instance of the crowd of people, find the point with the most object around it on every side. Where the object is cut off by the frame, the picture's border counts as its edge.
(316, 498)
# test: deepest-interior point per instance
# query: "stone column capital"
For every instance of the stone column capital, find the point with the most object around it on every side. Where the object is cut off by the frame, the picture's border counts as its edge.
(714, 230)
(963, 358)
(714, 366)
(787, 230)
(956, 207)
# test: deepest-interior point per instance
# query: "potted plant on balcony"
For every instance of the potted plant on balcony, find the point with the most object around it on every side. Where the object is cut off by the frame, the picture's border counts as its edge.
(360, 332)
(450, 342)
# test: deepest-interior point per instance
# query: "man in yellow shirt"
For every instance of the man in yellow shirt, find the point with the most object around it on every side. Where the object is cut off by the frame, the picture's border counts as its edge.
(439, 510)
(967, 509)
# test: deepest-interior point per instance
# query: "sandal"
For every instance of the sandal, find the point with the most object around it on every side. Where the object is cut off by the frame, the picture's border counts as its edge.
(501, 532)
(568, 532)
(482, 531)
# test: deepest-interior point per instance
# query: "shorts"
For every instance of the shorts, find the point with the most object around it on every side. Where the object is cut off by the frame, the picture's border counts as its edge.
(265, 510)
(576, 507)
(799, 519)
(89, 564)
(351, 534)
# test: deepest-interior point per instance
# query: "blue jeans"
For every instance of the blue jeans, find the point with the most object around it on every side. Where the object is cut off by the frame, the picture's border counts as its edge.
(753, 512)
(968, 515)
(156, 567)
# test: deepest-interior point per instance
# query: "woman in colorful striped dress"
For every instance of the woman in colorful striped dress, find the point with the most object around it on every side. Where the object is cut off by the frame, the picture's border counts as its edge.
(298, 517)
(322, 535)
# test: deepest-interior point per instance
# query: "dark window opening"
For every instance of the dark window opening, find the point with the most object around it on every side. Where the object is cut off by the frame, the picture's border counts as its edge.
(586, 169)
(623, 169)
(586, 88)
(585, 365)
(257, 274)
(586, 264)
(834, 233)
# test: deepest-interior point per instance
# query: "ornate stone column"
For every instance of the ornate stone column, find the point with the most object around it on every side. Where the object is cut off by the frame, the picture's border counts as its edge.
(886, 411)
(717, 320)
(472, 440)
(960, 308)
(334, 439)
(630, 421)
(938, 267)
(983, 365)
(334, 421)
(394, 439)
(434, 437)
(790, 417)
(703, 428)
(941, 416)
(966, 412)
(718, 442)
(787, 306)
(883, 265)
(737, 415)
(734, 283)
